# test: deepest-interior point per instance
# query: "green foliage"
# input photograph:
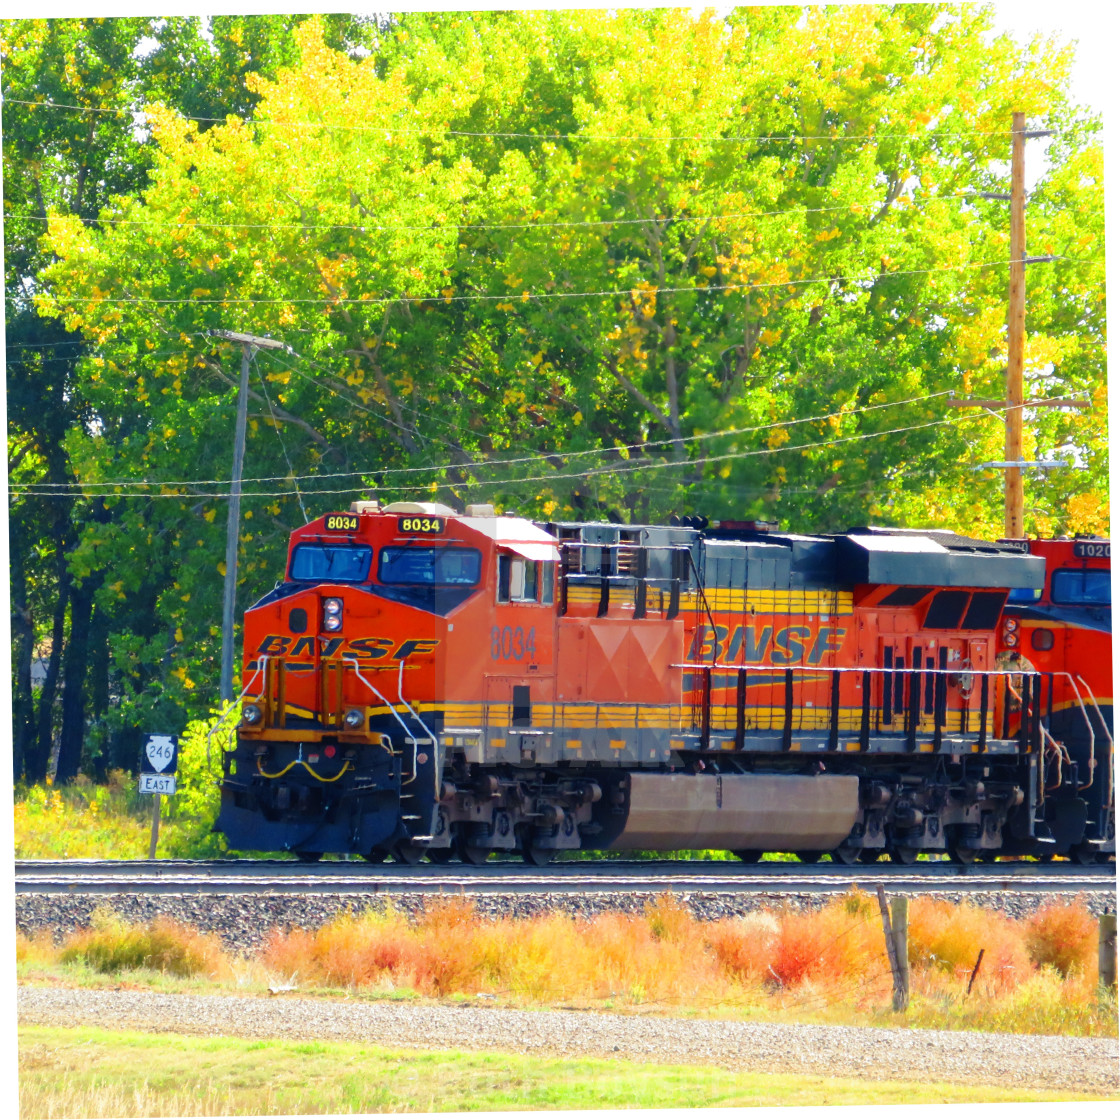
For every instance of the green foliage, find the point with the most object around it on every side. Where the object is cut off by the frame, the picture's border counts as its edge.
(538, 258)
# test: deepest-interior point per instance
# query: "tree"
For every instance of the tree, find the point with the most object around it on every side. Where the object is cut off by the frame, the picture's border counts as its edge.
(583, 264)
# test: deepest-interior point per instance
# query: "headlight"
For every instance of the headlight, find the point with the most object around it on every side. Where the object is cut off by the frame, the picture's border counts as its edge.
(354, 718)
(251, 714)
(332, 614)
(1010, 640)
(1011, 625)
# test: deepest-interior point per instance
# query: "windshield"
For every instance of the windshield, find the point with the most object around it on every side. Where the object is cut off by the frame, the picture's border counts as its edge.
(336, 562)
(436, 567)
(1082, 587)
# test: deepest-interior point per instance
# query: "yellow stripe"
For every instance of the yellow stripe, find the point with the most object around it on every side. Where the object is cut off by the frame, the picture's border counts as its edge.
(730, 600)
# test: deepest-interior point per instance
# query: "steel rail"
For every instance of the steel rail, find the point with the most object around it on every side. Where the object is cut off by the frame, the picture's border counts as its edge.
(287, 877)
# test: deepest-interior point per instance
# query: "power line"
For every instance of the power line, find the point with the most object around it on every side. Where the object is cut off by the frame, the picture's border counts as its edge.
(524, 297)
(726, 433)
(540, 137)
(594, 472)
(450, 227)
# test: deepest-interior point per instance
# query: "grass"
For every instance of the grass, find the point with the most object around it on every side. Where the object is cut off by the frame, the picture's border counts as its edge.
(1038, 975)
(91, 1072)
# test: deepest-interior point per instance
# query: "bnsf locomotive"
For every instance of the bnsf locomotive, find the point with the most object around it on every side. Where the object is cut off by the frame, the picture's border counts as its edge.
(1064, 629)
(428, 682)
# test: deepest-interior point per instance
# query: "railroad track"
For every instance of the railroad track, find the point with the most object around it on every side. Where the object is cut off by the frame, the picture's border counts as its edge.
(351, 877)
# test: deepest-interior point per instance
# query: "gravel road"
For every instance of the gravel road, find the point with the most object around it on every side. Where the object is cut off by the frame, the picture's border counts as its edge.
(1026, 1061)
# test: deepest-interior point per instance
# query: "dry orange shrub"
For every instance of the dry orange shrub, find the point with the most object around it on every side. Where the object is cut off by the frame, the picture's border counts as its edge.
(947, 937)
(833, 955)
(1065, 936)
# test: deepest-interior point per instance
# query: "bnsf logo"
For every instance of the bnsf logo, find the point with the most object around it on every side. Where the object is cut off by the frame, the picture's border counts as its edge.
(364, 649)
(763, 646)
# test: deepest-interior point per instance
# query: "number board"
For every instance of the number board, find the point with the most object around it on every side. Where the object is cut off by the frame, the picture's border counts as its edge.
(1092, 550)
(420, 524)
(342, 522)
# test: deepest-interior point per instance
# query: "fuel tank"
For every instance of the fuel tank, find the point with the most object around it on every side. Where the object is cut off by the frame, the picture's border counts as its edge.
(773, 812)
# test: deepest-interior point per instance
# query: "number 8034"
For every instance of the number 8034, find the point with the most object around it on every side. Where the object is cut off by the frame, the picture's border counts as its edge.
(512, 643)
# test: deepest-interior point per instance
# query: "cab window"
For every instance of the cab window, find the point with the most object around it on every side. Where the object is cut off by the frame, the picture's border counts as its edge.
(1082, 587)
(335, 562)
(432, 567)
(524, 581)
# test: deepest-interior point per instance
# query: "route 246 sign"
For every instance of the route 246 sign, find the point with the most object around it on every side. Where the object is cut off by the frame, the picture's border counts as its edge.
(158, 762)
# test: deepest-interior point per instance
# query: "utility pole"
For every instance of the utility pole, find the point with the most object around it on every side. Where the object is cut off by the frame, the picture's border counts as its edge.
(249, 344)
(1016, 329)
(1016, 335)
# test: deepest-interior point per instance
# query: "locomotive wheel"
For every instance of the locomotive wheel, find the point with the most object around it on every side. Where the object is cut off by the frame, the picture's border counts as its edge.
(309, 857)
(1083, 854)
(846, 853)
(409, 854)
(904, 853)
(748, 855)
(961, 855)
(536, 857)
(377, 855)
(440, 855)
(809, 857)
(475, 856)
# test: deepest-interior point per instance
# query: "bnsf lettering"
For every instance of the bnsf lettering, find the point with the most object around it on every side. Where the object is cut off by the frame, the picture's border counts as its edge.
(366, 649)
(755, 647)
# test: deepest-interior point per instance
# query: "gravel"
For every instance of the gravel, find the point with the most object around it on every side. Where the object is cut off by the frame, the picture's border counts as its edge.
(1025, 1061)
(243, 921)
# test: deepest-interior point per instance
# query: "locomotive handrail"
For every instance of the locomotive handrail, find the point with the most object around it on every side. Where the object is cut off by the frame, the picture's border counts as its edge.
(1029, 732)
(261, 663)
(388, 704)
(438, 764)
(1089, 725)
(1108, 734)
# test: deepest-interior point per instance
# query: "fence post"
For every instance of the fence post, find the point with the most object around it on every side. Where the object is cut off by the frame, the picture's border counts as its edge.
(901, 988)
(1106, 950)
(900, 928)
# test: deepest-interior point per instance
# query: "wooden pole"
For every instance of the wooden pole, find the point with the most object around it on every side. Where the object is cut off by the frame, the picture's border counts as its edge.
(1016, 332)
(155, 825)
(900, 929)
(1106, 950)
(901, 997)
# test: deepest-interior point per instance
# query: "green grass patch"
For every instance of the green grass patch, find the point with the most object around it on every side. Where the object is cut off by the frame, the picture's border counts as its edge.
(85, 1071)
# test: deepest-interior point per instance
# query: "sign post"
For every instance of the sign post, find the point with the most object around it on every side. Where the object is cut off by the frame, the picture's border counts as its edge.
(158, 763)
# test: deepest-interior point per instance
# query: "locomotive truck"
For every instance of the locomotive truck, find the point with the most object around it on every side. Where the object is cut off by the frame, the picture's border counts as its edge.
(429, 683)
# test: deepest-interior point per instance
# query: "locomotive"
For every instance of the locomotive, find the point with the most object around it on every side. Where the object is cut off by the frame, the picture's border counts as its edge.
(1065, 629)
(429, 683)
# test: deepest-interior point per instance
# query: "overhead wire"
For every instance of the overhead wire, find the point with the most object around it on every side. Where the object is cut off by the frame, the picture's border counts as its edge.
(513, 298)
(280, 437)
(452, 226)
(535, 458)
(594, 472)
(541, 137)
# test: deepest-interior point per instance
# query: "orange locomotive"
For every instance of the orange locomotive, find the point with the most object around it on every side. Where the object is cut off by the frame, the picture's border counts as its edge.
(429, 682)
(1065, 629)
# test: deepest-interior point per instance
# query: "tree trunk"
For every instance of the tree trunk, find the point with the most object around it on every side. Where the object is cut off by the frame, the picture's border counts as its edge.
(99, 682)
(74, 687)
(40, 760)
(23, 650)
